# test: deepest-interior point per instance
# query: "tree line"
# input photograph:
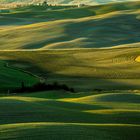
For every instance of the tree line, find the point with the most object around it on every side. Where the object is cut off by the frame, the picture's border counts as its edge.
(42, 86)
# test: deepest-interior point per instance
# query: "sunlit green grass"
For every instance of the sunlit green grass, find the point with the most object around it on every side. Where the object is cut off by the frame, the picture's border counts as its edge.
(12, 78)
(27, 108)
(137, 59)
(114, 25)
(86, 27)
(83, 69)
(40, 116)
(68, 131)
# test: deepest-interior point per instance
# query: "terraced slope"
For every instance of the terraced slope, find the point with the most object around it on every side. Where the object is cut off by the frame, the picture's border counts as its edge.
(41, 116)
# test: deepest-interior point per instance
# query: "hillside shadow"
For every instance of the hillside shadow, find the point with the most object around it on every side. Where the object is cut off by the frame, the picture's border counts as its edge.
(80, 83)
(106, 32)
(62, 112)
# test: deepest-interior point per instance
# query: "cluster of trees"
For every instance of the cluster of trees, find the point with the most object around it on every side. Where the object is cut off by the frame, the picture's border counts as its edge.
(42, 87)
(44, 3)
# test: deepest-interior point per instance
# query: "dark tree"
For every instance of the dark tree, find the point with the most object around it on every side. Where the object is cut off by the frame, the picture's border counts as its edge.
(42, 86)
(45, 3)
(22, 85)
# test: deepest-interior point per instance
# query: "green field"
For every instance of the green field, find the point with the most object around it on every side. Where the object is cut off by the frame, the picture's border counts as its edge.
(93, 49)
(83, 69)
(60, 115)
(12, 78)
(87, 27)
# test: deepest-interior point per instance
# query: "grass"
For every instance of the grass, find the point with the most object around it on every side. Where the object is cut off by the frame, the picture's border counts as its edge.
(138, 59)
(40, 116)
(72, 131)
(114, 97)
(71, 27)
(86, 48)
(12, 78)
(83, 69)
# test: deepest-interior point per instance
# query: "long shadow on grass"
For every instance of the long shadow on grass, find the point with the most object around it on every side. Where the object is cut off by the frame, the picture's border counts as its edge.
(80, 83)
(101, 32)
(52, 111)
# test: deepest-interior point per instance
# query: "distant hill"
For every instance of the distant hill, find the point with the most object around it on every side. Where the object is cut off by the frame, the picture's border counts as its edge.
(110, 25)
(64, 1)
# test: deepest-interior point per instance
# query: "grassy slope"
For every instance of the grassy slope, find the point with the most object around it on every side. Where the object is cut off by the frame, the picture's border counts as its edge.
(100, 26)
(40, 116)
(57, 115)
(137, 59)
(98, 68)
(10, 78)
(63, 1)
(87, 27)
(60, 131)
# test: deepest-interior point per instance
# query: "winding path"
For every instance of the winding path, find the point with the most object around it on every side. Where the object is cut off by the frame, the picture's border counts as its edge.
(41, 79)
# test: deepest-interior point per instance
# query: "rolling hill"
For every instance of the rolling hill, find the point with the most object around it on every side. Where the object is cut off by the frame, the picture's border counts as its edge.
(93, 45)
(83, 69)
(11, 78)
(39, 116)
(87, 27)
(93, 49)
